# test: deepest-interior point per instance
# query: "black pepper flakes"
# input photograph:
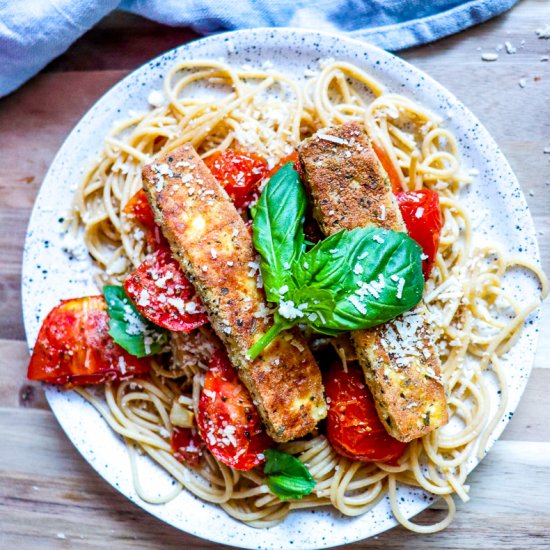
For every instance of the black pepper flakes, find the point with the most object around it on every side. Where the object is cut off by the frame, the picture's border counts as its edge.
(427, 419)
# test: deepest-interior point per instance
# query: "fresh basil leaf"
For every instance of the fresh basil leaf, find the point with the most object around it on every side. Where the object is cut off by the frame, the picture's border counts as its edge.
(315, 304)
(373, 274)
(287, 477)
(129, 328)
(351, 280)
(325, 264)
(307, 304)
(278, 228)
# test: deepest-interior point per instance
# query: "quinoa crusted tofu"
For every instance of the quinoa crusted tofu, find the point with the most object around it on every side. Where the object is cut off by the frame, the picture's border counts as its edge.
(214, 247)
(350, 189)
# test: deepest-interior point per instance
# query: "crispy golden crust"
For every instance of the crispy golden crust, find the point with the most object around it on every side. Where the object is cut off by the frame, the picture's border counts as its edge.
(214, 248)
(348, 186)
(403, 372)
(350, 189)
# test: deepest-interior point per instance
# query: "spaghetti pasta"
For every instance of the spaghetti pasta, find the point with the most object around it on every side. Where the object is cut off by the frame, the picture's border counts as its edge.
(215, 106)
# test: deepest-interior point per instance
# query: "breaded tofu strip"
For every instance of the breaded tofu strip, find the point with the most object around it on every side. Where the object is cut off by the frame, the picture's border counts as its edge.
(350, 189)
(214, 247)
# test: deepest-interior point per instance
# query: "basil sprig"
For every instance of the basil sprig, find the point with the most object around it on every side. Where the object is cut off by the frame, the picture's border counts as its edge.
(278, 228)
(287, 477)
(129, 328)
(352, 280)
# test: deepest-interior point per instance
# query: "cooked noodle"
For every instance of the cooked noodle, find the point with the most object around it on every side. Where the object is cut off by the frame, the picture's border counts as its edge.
(476, 321)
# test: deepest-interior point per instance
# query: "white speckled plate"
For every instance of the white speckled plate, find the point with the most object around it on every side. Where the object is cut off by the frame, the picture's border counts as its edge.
(495, 201)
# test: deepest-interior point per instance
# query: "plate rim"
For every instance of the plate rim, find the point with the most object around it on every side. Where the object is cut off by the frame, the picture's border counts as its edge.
(356, 44)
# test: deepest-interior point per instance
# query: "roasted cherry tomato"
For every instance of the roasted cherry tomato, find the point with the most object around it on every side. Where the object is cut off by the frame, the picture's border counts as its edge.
(293, 157)
(239, 173)
(387, 164)
(187, 445)
(353, 427)
(422, 216)
(163, 294)
(228, 420)
(74, 347)
(139, 208)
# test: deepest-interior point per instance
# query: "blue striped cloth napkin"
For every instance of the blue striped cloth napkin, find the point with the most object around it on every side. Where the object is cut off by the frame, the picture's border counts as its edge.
(33, 32)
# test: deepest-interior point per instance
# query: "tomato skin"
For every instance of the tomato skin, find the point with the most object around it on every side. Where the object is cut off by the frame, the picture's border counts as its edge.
(294, 158)
(387, 164)
(138, 207)
(239, 173)
(74, 347)
(187, 445)
(425, 229)
(225, 407)
(353, 427)
(157, 281)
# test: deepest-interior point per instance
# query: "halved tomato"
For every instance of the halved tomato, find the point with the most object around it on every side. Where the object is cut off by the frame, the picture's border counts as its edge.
(163, 294)
(138, 207)
(353, 427)
(239, 173)
(422, 215)
(228, 420)
(187, 445)
(74, 347)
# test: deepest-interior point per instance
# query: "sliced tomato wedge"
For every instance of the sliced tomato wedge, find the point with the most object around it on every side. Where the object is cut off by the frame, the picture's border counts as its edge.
(163, 294)
(74, 347)
(187, 445)
(228, 420)
(389, 167)
(353, 427)
(239, 173)
(138, 207)
(422, 215)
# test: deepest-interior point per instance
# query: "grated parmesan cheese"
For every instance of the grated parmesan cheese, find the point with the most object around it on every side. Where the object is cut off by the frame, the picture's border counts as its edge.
(400, 286)
(288, 310)
(122, 365)
(155, 98)
(333, 139)
(358, 305)
(510, 48)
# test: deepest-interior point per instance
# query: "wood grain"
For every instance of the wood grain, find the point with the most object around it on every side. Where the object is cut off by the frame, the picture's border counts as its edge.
(51, 498)
(67, 492)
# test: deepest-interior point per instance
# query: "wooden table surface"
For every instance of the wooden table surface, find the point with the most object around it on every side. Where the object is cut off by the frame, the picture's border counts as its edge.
(51, 498)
